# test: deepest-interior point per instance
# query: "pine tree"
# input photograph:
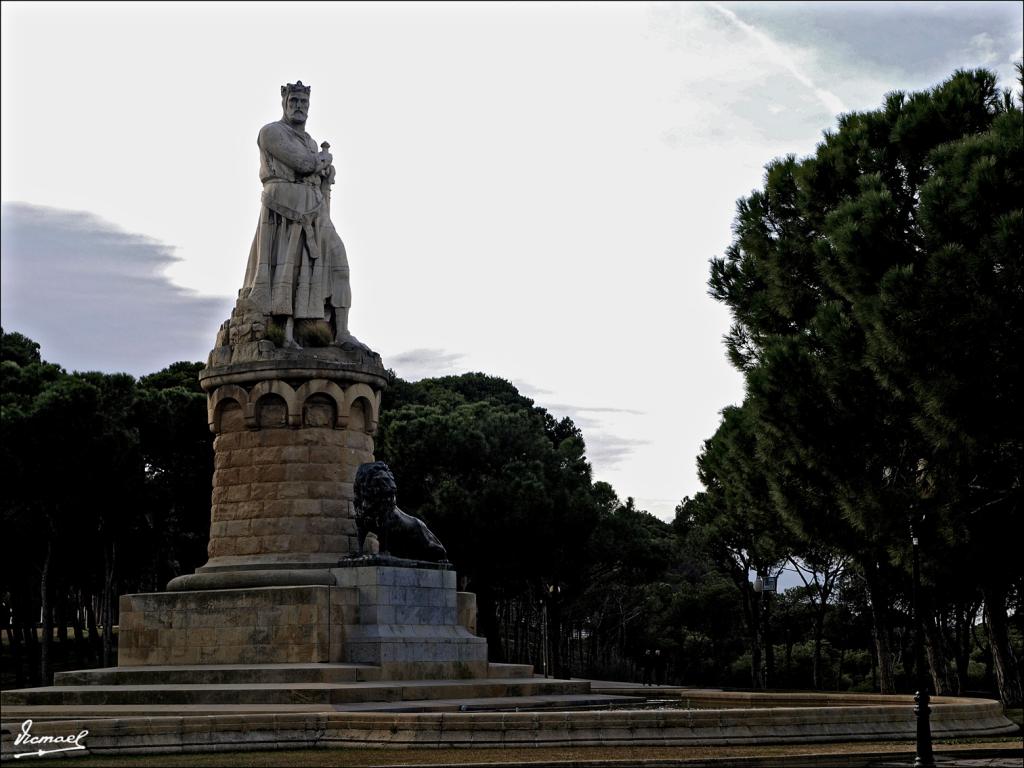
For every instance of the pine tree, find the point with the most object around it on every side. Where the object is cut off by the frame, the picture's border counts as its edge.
(876, 289)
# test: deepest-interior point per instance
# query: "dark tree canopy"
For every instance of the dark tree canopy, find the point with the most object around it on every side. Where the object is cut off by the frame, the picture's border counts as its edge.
(181, 374)
(877, 294)
(18, 349)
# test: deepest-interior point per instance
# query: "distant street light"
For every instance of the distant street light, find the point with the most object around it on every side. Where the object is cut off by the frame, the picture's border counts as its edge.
(547, 654)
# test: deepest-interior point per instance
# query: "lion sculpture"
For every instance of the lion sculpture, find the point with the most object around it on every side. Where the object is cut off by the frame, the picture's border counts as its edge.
(399, 534)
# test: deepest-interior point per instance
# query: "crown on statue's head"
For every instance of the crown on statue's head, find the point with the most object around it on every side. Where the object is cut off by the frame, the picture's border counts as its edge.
(296, 87)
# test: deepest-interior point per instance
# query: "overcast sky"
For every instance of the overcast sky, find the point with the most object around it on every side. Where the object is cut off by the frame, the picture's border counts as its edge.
(529, 190)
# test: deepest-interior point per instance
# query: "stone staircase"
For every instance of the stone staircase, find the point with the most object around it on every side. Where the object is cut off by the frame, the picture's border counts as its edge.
(220, 674)
(217, 688)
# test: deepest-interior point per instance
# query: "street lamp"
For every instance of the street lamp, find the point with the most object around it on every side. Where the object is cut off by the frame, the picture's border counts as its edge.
(547, 656)
(544, 635)
(924, 757)
(764, 587)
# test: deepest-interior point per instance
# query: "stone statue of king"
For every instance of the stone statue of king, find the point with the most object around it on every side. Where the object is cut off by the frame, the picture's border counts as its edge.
(297, 268)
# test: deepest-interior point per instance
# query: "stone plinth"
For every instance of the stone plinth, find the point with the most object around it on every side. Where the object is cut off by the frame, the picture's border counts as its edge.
(408, 623)
(407, 620)
(274, 625)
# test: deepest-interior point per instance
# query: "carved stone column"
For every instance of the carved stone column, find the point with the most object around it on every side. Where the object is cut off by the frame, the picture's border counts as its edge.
(292, 427)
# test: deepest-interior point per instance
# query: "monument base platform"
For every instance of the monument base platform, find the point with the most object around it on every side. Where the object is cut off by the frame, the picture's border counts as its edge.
(265, 625)
(404, 617)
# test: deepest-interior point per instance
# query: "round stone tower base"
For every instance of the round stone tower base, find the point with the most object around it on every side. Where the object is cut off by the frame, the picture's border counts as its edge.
(290, 433)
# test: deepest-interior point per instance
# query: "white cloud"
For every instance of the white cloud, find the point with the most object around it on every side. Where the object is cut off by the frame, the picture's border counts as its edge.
(96, 297)
(422, 363)
(538, 186)
(787, 59)
(983, 49)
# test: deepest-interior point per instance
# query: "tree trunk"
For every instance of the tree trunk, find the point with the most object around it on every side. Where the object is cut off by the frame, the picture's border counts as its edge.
(15, 636)
(988, 680)
(755, 656)
(962, 638)
(1003, 659)
(488, 625)
(935, 647)
(879, 594)
(45, 667)
(76, 624)
(109, 597)
(91, 630)
(555, 634)
(14, 642)
(769, 647)
(819, 634)
(31, 642)
(839, 668)
(752, 618)
(515, 631)
(60, 613)
(788, 663)
(874, 666)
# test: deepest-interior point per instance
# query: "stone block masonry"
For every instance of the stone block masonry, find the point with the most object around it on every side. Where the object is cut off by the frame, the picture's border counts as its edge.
(271, 625)
(411, 622)
(285, 493)
(288, 444)
(408, 623)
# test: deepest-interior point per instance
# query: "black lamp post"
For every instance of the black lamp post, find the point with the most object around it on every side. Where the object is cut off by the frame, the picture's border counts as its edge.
(922, 711)
(544, 635)
(764, 587)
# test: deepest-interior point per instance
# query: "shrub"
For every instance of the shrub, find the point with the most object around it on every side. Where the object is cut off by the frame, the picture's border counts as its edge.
(313, 333)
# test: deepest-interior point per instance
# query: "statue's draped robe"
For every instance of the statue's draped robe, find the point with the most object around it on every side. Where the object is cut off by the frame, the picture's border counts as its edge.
(297, 263)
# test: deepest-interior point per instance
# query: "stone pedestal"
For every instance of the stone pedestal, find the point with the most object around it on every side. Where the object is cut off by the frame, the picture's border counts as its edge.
(407, 622)
(273, 625)
(400, 616)
(291, 428)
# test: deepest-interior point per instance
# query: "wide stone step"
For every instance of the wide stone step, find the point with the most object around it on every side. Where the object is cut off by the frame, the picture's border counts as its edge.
(220, 674)
(290, 693)
(567, 701)
(509, 670)
(226, 674)
(537, 702)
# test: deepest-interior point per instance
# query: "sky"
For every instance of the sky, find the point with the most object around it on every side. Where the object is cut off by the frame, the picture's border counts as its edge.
(530, 190)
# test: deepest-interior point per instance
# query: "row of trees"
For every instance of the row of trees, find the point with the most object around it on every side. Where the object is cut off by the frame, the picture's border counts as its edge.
(107, 490)
(877, 291)
(569, 577)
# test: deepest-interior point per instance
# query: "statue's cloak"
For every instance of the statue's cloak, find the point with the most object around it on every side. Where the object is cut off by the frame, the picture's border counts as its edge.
(297, 264)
